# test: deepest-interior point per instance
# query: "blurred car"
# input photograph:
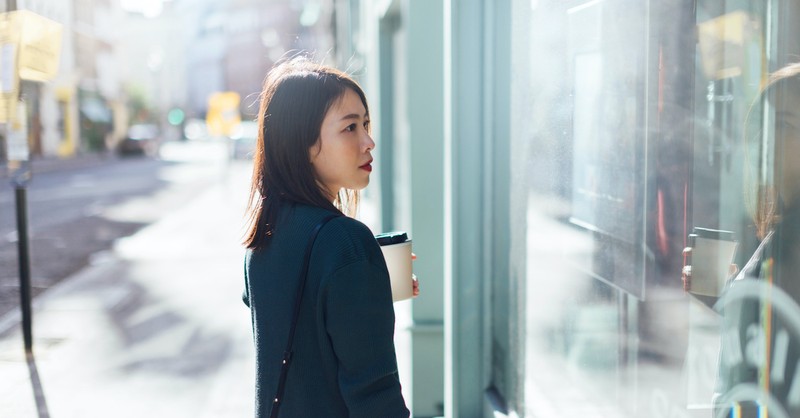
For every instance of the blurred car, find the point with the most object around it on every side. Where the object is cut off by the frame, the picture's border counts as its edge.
(244, 140)
(141, 139)
(195, 129)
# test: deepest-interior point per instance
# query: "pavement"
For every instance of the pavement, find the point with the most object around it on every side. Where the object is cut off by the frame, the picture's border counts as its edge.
(154, 327)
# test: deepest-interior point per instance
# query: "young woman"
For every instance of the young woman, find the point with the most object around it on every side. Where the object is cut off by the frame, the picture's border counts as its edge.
(314, 153)
(759, 367)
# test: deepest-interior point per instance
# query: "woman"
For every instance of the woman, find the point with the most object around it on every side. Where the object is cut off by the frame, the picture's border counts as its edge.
(759, 368)
(313, 155)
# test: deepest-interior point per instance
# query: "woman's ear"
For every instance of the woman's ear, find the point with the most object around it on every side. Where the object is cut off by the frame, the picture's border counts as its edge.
(313, 151)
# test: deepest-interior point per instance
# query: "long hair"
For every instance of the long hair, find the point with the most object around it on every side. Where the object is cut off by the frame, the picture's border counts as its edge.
(297, 94)
(764, 203)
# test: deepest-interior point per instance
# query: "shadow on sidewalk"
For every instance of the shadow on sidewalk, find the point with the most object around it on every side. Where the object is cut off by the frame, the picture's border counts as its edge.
(36, 383)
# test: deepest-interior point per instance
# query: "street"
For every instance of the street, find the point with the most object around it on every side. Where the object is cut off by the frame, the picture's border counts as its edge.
(155, 327)
(76, 214)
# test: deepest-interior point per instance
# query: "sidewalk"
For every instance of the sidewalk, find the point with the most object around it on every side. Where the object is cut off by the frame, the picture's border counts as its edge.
(155, 328)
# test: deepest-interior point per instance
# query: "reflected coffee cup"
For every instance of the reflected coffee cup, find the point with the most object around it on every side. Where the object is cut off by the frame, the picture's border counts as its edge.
(396, 249)
(712, 254)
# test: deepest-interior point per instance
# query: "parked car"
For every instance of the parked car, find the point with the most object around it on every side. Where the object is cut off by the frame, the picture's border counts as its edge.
(244, 140)
(141, 139)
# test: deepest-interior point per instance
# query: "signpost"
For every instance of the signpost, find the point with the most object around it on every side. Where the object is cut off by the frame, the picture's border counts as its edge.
(30, 47)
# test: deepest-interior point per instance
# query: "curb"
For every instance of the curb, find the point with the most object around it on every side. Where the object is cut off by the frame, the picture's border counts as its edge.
(52, 164)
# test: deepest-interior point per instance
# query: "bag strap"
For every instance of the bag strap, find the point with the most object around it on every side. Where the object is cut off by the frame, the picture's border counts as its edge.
(287, 354)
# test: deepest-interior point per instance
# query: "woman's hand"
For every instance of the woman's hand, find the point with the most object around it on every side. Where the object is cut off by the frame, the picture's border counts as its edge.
(686, 272)
(414, 278)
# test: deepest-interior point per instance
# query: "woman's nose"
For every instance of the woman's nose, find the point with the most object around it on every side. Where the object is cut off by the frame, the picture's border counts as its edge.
(369, 143)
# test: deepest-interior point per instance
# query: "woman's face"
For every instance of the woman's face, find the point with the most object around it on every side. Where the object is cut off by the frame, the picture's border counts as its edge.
(342, 156)
(787, 138)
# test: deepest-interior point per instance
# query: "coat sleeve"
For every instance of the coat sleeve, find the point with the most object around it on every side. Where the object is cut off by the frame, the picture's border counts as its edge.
(359, 319)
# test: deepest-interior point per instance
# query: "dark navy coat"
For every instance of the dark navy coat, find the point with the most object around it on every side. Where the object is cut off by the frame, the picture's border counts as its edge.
(344, 362)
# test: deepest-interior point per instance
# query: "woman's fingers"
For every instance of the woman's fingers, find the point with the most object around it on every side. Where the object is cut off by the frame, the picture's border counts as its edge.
(415, 284)
(686, 277)
(686, 272)
(733, 270)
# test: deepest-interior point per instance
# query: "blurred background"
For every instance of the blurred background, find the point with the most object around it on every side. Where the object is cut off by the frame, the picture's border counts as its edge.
(548, 158)
(158, 63)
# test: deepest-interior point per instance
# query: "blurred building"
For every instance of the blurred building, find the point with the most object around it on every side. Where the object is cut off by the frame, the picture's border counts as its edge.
(231, 45)
(82, 107)
(101, 97)
(153, 64)
(549, 160)
(135, 64)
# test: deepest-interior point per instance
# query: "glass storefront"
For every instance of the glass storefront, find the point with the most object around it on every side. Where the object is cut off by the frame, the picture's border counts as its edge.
(640, 129)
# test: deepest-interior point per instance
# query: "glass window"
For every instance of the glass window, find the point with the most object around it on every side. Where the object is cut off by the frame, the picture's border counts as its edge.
(640, 130)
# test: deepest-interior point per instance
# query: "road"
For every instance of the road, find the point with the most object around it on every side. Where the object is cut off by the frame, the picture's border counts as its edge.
(76, 214)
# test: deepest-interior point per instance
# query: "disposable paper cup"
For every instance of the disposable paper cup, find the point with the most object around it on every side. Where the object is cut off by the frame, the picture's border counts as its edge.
(712, 254)
(396, 249)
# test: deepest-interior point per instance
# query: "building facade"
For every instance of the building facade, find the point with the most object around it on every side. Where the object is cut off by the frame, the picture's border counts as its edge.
(52, 108)
(231, 45)
(83, 108)
(551, 161)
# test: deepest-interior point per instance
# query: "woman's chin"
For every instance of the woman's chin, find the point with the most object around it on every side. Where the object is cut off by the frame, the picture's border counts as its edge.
(361, 185)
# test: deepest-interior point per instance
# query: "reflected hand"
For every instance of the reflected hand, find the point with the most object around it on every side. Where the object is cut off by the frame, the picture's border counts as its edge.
(686, 271)
(414, 278)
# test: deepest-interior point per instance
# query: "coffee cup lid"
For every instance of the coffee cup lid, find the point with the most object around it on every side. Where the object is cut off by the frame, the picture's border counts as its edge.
(389, 238)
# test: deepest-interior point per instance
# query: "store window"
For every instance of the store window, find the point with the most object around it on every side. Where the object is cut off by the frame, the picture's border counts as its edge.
(641, 129)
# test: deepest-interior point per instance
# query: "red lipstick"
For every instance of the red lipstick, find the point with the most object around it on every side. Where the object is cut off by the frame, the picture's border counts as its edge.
(367, 166)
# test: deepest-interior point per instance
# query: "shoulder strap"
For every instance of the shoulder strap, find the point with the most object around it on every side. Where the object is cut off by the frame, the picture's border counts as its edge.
(287, 354)
(753, 266)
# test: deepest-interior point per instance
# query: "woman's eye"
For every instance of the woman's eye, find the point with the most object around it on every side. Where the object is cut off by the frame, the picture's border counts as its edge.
(350, 128)
(366, 124)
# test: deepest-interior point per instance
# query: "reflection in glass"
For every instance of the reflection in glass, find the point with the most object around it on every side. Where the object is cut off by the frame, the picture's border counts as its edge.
(635, 125)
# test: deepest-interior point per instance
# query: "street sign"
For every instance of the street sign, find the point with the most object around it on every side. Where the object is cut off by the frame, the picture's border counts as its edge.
(17, 148)
(9, 76)
(723, 44)
(8, 68)
(30, 49)
(39, 45)
(223, 113)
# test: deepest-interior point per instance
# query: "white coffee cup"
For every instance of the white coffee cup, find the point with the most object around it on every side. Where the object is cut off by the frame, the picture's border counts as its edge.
(713, 252)
(396, 249)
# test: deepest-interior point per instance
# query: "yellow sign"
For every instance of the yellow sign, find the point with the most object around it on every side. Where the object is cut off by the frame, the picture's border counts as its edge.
(39, 41)
(30, 49)
(223, 113)
(723, 41)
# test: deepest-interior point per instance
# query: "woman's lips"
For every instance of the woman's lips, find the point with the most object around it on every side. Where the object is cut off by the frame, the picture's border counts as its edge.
(367, 167)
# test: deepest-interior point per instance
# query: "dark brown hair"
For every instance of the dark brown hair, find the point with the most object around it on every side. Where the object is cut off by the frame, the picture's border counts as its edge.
(296, 96)
(763, 204)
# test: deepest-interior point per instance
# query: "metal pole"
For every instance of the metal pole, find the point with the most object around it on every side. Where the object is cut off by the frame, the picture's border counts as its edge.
(22, 239)
(24, 266)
